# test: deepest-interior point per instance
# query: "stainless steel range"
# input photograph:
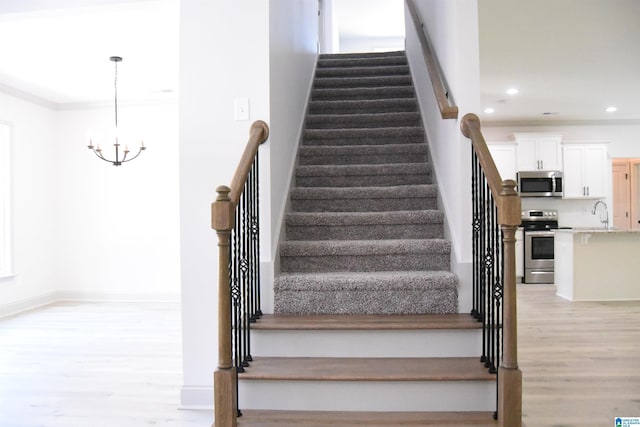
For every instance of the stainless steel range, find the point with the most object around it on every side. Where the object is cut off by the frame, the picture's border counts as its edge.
(538, 245)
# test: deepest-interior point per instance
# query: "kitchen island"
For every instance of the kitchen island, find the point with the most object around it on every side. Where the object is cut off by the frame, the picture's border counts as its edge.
(597, 264)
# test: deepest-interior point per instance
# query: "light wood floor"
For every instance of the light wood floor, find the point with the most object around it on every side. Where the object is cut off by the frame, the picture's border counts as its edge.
(94, 364)
(119, 364)
(580, 361)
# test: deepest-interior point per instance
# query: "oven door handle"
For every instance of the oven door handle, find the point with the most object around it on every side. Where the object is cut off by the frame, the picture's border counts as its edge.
(540, 233)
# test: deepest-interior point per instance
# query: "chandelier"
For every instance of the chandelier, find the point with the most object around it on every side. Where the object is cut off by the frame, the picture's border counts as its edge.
(125, 153)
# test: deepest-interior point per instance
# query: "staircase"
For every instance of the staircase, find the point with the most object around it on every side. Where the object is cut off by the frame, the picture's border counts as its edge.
(366, 330)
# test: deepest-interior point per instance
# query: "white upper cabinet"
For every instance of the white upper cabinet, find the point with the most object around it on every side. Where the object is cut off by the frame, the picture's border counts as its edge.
(539, 151)
(585, 171)
(504, 156)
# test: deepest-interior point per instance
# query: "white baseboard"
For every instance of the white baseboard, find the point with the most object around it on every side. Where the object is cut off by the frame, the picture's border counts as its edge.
(196, 397)
(118, 297)
(15, 307)
(26, 304)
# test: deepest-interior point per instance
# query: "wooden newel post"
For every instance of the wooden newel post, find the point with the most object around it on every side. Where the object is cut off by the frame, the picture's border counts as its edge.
(509, 375)
(224, 379)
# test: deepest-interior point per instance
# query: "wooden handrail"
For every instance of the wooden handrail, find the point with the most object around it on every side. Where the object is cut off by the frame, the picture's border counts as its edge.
(447, 109)
(258, 134)
(509, 217)
(223, 221)
(509, 211)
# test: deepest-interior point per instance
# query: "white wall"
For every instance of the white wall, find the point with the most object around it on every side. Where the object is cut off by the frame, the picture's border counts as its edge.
(370, 44)
(292, 59)
(453, 30)
(34, 162)
(83, 228)
(224, 53)
(117, 228)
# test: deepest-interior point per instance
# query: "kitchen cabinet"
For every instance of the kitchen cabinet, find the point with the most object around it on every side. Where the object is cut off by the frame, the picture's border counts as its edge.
(585, 171)
(504, 156)
(539, 151)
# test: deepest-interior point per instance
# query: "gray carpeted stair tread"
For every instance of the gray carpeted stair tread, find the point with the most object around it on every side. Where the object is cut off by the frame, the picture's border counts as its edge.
(370, 120)
(364, 247)
(362, 154)
(424, 224)
(365, 280)
(351, 82)
(385, 292)
(362, 93)
(363, 175)
(395, 192)
(362, 71)
(356, 170)
(364, 136)
(384, 105)
(364, 218)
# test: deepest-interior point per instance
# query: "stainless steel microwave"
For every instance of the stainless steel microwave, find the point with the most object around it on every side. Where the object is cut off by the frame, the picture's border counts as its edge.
(540, 183)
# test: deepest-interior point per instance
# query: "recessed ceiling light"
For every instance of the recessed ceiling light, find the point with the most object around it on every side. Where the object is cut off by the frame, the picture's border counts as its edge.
(512, 91)
(489, 110)
(611, 109)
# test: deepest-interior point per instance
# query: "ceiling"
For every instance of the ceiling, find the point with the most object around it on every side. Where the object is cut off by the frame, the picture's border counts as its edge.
(60, 56)
(570, 59)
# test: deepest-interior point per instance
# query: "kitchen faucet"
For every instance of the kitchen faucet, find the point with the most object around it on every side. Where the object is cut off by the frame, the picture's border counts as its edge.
(605, 221)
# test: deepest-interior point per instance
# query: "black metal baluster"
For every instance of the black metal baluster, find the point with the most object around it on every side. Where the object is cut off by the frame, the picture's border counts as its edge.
(246, 276)
(483, 269)
(256, 168)
(237, 294)
(475, 230)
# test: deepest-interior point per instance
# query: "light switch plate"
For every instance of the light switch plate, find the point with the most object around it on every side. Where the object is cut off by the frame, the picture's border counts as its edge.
(241, 109)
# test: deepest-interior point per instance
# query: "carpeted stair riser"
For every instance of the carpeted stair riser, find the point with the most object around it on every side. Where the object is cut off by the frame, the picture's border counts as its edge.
(365, 199)
(346, 57)
(353, 82)
(365, 226)
(364, 255)
(362, 93)
(365, 136)
(363, 175)
(436, 301)
(396, 70)
(373, 106)
(363, 154)
(327, 62)
(396, 292)
(368, 121)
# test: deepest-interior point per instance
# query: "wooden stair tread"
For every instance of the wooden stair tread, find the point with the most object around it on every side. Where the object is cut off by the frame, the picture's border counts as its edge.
(366, 322)
(367, 369)
(260, 418)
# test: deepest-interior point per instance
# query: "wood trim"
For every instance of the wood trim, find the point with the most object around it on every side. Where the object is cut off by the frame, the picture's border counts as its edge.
(635, 193)
(448, 110)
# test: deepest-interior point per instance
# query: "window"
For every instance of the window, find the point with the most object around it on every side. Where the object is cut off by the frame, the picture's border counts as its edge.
(5, 202)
